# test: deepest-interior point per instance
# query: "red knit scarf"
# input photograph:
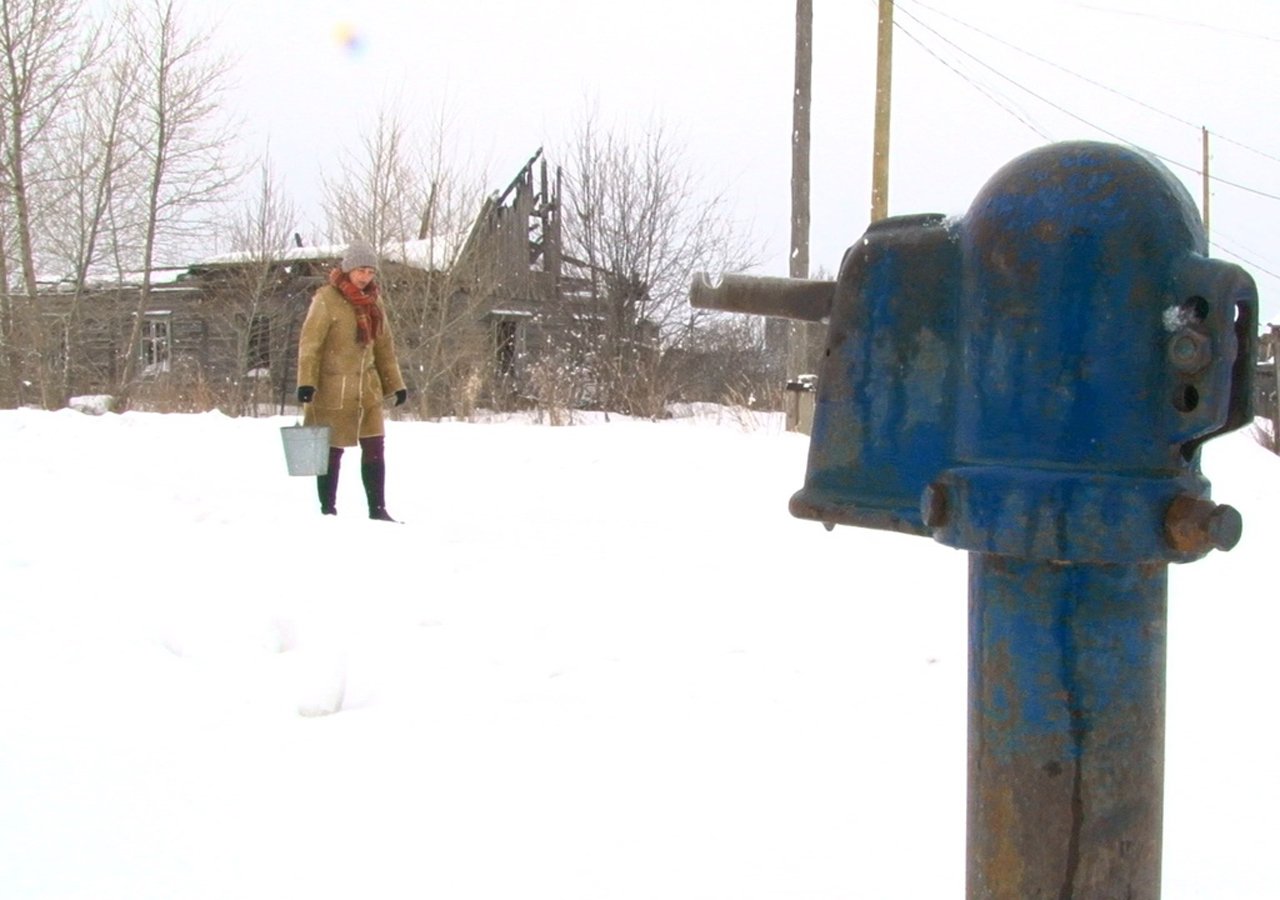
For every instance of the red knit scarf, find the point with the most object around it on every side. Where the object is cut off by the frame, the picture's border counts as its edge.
(365, 303)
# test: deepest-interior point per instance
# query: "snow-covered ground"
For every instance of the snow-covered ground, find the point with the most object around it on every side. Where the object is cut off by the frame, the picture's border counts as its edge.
(597, 662)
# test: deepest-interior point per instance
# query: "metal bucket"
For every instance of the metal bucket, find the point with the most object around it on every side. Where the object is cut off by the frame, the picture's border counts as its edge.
(306, 449)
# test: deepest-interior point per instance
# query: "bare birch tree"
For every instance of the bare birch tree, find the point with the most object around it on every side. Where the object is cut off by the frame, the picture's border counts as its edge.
(640, 223)
(381, 192)
(92, 161)
(46, 51)
(182, 144)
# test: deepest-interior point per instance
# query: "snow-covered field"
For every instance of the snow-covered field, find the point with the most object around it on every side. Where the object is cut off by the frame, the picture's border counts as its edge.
(597, 662)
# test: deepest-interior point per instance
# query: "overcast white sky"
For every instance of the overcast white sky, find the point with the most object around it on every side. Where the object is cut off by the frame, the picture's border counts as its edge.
(514, 75)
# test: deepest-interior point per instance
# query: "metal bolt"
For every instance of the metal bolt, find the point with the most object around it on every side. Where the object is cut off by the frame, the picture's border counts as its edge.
(934, 505)
(1225, 527)
(1190, 351)
(1194, 525)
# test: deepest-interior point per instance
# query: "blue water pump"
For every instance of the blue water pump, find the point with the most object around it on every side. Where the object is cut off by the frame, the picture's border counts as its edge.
(1032, 383)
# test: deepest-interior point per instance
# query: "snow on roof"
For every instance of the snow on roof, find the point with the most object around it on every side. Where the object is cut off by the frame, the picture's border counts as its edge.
(161, 277)
(432, 254)
(428, 253)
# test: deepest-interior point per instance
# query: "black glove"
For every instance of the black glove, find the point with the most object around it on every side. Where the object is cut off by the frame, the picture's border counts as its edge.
(401, 396)
(306, 393)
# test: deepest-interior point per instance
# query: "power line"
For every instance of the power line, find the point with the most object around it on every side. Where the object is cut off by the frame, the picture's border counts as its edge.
(1216, 242)
(1176, 21)
(1049, 62)
(975, 85)
(995, 72)
(1008, 106)
(1223, 137)
(1091, 81)
(1244, 259)
(1058, 106)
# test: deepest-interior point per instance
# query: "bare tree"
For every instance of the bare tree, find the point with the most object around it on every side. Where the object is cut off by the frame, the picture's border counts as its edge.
(639, 223)
(182, 151)
(725, 361)
(448, 346)
(46, 51)
(251, 297)
(92, 159)
(407, 195)
(381, 192)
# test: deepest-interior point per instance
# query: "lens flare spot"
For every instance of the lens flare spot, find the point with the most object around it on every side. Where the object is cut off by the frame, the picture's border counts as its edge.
(349, 38)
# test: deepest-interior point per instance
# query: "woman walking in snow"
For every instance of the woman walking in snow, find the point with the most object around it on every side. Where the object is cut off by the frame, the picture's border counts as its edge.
(346, 368)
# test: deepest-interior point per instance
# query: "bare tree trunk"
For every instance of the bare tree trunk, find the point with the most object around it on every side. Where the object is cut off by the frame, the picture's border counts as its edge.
(28, 303)
(41, 68)
(185, 163)
(10, 383)
(93, 159)
(129, 353)
(261, 234)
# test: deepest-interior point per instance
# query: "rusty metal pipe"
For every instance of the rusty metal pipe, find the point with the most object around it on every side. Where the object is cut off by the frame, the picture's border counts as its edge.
(788, 298)
(1066, 728)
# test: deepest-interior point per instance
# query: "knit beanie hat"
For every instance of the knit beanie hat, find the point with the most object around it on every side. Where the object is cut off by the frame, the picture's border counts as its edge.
(359, 255)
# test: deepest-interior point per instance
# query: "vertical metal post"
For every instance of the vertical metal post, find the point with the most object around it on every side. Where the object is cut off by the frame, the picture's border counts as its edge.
(1066, 728)
(1033, 383)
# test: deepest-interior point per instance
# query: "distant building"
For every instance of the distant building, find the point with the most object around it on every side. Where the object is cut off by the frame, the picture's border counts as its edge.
(469, 323)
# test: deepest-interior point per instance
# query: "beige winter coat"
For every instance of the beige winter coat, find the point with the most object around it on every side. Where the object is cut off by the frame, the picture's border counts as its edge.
(351, 380)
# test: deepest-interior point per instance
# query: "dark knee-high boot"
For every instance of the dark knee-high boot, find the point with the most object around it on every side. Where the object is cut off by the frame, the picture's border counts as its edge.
(373, 472)
(327, 484)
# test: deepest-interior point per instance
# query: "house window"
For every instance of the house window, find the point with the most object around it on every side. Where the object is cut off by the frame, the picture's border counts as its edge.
(157, 343)
(259, 350)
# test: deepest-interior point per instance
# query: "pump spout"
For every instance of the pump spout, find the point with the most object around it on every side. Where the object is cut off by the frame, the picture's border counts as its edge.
(788, 298)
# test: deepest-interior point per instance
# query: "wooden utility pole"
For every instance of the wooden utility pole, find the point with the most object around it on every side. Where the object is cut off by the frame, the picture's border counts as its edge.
(1204, 171)
(800, 140)
(803, 339)
(884, 77)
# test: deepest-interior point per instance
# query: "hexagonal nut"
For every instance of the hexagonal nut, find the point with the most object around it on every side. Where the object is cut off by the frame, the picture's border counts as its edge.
(1190, 351)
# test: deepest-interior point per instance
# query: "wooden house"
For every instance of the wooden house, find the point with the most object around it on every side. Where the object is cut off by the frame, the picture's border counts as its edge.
(222, 332)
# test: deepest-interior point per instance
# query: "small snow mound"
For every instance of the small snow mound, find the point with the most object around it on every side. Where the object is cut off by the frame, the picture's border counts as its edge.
(93, 404)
